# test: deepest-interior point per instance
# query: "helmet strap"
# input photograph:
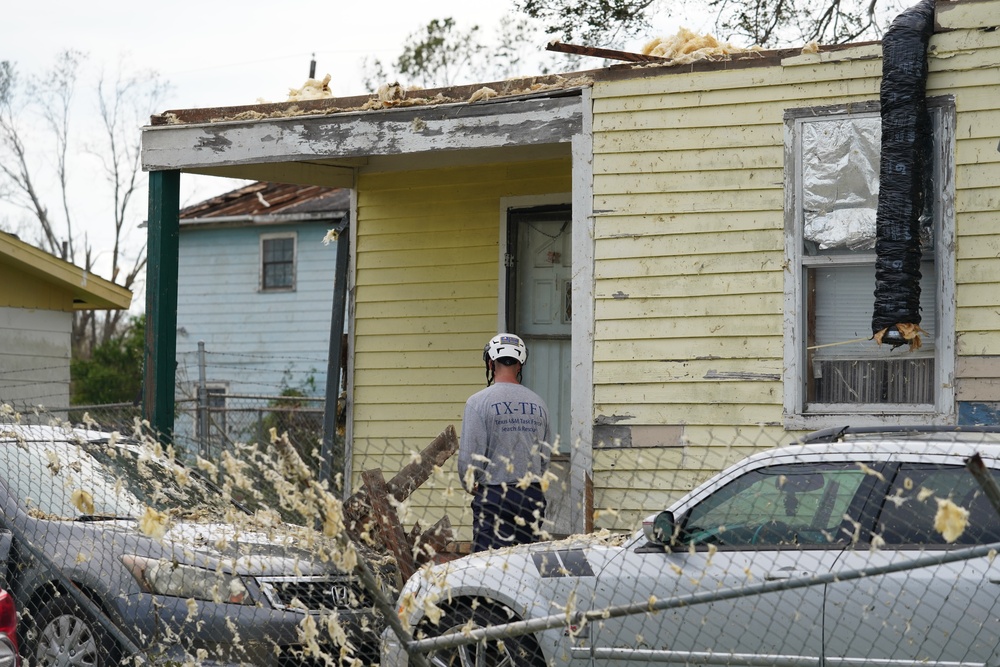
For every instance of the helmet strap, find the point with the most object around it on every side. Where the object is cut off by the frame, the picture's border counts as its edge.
(490, 373)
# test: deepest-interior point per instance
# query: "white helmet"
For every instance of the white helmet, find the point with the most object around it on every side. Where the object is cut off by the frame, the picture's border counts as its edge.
(505, 345)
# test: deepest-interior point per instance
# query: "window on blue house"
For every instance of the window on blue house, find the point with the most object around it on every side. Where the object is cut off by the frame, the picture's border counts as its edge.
(277, 253)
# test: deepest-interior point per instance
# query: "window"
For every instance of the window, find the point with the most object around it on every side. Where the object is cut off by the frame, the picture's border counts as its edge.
(790, 505)
(833, 365)
(911, 506)
(277, 255)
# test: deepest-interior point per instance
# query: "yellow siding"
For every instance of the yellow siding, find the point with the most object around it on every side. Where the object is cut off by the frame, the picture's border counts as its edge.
(977, 199)
(425, 302)
(689, 250)
(22, 290)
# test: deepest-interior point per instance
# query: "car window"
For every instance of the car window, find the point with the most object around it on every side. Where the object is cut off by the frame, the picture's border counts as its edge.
(48, 480)
(63, 480)
(787, 505)
(908, 515)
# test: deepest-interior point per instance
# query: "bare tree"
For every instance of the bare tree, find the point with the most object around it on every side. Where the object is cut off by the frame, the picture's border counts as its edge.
(44, 125)
(766, 23)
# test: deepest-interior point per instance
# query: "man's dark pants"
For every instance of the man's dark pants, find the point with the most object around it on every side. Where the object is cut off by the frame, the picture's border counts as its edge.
(494, 508)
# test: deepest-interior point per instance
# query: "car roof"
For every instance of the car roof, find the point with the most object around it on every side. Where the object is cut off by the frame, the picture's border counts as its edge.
(973, 433)
(49, 433)
(896, 443)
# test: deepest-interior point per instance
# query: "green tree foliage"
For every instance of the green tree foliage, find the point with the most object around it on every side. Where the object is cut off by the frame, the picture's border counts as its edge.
(113, 373)
(436, 55)
(765, 23)
(442, 54)
(593, 22)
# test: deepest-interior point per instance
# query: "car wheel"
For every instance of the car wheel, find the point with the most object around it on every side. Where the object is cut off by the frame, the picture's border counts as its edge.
(65, 636)
(521, 651)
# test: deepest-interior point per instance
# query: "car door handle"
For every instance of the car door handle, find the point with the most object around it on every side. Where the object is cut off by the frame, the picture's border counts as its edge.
(994, 580)
(785, 573)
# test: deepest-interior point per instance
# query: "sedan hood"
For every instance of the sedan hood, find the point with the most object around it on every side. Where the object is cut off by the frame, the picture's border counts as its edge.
(280, 550)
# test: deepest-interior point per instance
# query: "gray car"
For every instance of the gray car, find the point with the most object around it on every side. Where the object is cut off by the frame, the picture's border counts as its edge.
(117, 550)
(800, 555)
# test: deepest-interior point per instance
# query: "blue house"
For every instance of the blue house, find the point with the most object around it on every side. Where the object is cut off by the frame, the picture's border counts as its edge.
(255, 293)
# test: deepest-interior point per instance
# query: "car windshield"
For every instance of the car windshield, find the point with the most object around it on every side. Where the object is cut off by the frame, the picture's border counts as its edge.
(784, 504)
(70, 481)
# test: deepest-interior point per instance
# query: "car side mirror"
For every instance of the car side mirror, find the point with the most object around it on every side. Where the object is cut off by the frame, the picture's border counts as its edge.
(661, 529)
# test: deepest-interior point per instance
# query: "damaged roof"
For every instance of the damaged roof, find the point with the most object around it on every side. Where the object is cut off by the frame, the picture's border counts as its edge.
(390, 97)
(394, 96)
(267, 201)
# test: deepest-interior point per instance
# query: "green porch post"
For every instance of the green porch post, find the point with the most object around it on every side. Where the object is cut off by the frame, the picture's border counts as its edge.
(160, 355)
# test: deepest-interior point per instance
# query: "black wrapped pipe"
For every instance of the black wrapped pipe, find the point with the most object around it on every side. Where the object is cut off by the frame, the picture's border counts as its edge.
(906, 141)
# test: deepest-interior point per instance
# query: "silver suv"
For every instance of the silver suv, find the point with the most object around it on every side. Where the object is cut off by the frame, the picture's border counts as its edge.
(852, 548)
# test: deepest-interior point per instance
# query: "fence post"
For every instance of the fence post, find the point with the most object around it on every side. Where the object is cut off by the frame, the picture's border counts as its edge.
(202, 410)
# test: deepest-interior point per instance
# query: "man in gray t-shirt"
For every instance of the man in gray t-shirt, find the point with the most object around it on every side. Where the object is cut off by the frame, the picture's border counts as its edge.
(505, 450)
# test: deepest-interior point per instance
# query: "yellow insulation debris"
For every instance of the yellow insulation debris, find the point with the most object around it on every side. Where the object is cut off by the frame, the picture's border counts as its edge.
(312, 89)
(687, 46)
(911, 334)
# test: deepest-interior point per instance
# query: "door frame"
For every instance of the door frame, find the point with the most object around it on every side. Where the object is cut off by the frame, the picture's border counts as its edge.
(580, 495)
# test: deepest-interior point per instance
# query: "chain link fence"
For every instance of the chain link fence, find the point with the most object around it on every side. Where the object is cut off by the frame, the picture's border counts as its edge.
(855, 548)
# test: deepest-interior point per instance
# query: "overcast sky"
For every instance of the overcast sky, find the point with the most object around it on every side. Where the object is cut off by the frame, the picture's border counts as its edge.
(219, 53)
(214, 53)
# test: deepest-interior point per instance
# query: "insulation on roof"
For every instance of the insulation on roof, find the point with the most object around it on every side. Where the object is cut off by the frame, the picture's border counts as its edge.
(687, 46)
(312, 89)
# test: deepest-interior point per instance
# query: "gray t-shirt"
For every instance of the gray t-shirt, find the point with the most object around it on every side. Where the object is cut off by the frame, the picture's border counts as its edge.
(505, 435)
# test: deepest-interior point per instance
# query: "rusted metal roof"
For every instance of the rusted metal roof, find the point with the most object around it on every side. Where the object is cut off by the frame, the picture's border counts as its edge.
(270, 199)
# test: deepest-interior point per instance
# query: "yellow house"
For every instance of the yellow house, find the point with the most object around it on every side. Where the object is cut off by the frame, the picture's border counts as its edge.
(39, 296)
(652, 232)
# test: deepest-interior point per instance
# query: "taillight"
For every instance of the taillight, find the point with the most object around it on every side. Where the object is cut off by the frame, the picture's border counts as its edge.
(8, 616)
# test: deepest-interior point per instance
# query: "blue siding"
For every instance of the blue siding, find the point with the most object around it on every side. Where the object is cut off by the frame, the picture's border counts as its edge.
(256, 342)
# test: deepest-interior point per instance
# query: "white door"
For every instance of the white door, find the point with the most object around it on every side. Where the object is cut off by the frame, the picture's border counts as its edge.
(539, 309)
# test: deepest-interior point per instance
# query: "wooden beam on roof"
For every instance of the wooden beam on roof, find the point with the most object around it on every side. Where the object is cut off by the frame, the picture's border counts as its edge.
(608, 54)
(401, 131)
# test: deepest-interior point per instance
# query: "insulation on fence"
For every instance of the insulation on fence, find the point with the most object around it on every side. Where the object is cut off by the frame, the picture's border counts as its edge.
(905, 162)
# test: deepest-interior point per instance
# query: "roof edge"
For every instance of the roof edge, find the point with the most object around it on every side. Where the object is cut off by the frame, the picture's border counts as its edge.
(276, 219)
(90, 291)
(551, 84)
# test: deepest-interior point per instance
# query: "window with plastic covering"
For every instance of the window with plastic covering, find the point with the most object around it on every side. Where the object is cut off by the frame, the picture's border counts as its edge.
(832, 185)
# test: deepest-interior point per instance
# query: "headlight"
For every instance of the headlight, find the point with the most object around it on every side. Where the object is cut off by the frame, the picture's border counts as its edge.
(163, 577)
